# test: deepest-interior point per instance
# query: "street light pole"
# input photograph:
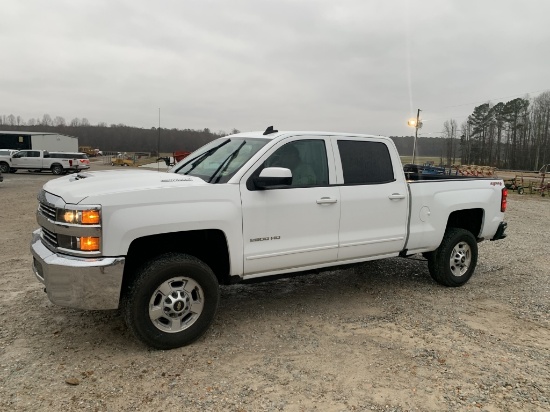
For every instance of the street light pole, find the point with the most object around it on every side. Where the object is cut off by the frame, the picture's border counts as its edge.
(417, 125)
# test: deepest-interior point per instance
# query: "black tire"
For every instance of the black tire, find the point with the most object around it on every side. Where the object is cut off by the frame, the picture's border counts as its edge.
(177, 315)
(4, 167)
(454, 261)
(57, 169)
(521, 190)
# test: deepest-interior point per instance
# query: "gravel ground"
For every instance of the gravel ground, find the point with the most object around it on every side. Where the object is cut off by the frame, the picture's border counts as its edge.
(381, 336)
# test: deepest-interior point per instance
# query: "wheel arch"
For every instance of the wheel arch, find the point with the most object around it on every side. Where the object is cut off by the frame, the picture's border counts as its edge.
(468, 219)
(56, 164)
(208, 245)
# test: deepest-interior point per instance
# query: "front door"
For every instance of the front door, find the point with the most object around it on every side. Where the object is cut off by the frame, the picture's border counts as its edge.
(296, 226)
(27, 158)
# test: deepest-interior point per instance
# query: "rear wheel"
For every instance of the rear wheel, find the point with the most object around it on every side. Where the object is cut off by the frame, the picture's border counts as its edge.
(57, 169)
(172, 301)
(455, 260)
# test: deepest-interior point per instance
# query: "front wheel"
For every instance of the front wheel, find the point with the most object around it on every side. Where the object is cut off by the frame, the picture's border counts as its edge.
(4, 167)
(454, 261)
(172, 301)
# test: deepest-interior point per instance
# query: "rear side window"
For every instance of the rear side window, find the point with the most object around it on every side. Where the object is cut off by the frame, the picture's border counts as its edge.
(365, 162)
(69, 155)
(58, 155)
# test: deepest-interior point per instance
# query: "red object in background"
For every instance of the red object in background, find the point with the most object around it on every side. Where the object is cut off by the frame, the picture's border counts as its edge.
(180, 155)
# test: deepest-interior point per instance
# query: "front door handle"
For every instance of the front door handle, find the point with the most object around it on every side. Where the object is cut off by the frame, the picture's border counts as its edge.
(396, 196)
(326, 200)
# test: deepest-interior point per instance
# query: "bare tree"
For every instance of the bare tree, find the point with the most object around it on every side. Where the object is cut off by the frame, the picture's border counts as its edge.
(84, 122)
(75, 122)
(449, 132)
(46, 120)
(31, 122)
(11, 121)
(59, 121)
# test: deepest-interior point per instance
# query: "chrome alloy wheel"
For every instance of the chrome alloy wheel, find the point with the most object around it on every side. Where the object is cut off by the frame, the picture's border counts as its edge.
(461, 258)
(176, 304)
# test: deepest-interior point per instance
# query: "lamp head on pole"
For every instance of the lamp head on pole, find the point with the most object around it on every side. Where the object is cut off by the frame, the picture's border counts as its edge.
(412, 122)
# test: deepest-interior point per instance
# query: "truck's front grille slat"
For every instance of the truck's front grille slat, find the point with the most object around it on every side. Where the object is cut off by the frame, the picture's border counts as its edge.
(49, 237)
(47, 210)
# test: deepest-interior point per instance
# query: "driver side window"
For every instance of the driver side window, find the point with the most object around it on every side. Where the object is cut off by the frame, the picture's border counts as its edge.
(306, 159)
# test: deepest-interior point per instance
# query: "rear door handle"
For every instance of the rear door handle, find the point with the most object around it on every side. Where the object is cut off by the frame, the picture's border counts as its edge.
(396, 196)
(326, 200)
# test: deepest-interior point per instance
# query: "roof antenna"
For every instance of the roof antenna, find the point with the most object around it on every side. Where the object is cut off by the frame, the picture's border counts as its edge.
(270, 130)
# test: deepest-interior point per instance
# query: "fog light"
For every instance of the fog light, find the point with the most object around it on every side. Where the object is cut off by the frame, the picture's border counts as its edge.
(90, 244)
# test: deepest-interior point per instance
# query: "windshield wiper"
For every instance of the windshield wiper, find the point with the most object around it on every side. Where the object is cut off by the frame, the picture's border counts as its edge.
(200, 158)
(226, 162)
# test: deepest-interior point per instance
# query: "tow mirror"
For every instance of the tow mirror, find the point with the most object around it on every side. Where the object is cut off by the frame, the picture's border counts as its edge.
(273, 178)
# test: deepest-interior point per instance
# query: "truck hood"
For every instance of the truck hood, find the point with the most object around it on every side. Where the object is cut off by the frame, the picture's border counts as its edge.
(75, 188)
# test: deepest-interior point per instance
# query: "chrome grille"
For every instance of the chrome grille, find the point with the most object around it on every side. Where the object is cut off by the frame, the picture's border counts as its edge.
(49, 237)
(47, 210)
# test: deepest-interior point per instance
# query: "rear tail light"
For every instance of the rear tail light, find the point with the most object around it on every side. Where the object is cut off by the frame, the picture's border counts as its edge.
(503, 200)
(70, 162)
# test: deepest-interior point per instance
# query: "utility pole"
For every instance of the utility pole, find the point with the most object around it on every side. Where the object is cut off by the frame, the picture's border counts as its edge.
(158, 145)
(416, 124)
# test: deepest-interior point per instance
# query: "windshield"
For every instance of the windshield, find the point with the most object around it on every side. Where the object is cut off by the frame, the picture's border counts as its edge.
(219, 160)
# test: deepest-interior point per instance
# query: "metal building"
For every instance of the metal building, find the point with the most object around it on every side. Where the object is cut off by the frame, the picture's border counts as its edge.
(52, 142)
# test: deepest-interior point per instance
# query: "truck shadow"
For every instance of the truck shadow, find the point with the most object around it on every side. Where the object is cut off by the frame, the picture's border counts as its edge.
(369, 288)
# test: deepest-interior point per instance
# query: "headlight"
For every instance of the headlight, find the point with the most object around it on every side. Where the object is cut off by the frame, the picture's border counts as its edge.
(79, 217)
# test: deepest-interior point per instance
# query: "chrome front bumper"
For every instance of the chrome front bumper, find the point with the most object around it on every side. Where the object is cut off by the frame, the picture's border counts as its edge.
(84, 283)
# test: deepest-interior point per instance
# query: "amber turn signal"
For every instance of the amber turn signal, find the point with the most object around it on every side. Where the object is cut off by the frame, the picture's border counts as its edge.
(90, 217)
(89, 244)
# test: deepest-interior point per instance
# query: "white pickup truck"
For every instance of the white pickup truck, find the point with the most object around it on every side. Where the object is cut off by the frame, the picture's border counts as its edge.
(246, 206)
(34, 160)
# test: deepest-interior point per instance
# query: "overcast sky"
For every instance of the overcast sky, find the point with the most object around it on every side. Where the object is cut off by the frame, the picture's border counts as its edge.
(353, 66)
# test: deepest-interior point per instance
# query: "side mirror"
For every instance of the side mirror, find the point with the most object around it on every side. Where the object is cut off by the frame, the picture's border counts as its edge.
(273, 178)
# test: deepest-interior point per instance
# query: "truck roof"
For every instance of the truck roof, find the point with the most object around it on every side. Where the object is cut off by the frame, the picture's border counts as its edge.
(276, 134)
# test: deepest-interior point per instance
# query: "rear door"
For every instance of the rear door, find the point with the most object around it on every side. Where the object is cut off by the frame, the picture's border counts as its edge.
(374, 200)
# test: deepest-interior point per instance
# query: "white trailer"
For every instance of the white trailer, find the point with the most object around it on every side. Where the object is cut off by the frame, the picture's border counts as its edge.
(52, 142)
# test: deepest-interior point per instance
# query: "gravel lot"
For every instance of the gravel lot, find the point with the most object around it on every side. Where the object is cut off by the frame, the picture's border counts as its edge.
(381, 336)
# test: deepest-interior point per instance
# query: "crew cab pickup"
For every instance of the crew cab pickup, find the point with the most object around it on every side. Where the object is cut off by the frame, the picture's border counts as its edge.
(250, 205)
(34, 160)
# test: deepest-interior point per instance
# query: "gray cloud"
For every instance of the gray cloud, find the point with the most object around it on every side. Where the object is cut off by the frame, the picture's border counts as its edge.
(353, 66)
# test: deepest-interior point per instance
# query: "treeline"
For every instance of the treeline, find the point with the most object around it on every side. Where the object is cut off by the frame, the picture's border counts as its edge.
(425, 146)
(511, 135)
(122, 138)
(119, 137)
